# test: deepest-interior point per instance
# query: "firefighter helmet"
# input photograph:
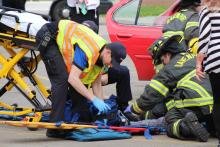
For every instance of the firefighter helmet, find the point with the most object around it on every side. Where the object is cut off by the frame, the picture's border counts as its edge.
(164, 45)
(193, 45)
(184, 4)
(191, 1)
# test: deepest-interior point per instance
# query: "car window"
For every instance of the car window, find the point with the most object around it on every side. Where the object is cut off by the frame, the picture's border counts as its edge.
(127, 13)
(151, 10)
(143, 12)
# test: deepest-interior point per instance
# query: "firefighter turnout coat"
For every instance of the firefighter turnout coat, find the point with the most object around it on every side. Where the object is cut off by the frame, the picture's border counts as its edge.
(177, 86)
(184, 23)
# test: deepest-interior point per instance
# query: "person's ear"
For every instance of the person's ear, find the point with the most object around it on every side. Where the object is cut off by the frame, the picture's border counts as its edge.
(170, 55)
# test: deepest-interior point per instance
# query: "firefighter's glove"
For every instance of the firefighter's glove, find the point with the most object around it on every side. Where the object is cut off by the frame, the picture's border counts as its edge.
(128, 109)
(100, 105)
(131, 116)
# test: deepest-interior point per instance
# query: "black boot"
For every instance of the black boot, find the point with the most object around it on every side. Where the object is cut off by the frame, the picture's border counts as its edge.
(56, 133)
(132, 116)
(197, 129)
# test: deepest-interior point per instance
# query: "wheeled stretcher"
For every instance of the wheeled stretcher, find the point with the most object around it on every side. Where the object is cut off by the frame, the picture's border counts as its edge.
(17, 37)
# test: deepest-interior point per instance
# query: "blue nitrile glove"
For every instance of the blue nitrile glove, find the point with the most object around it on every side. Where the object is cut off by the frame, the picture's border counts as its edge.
(100, 105)
(128, 109)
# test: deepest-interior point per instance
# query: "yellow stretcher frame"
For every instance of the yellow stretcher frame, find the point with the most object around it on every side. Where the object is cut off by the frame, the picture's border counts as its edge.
(10, 42)
(46, 125)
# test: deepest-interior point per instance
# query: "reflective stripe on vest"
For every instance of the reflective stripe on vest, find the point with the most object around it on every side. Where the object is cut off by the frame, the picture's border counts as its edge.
(158, 86)
(192, 102)
(171, 33)
(180, 16)
(65, 32)
(186, 77)
(191, 24)
(186, 82)
(91, 76)
(136, 108)
(205, 99)
(147, 115)
(175, 129)
(70, 34)
(170, 104)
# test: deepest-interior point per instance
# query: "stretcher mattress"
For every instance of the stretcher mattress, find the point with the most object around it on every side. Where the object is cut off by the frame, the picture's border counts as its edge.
(27, 22)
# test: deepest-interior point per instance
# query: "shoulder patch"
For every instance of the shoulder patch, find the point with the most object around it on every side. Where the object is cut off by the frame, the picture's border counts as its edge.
(179, 16)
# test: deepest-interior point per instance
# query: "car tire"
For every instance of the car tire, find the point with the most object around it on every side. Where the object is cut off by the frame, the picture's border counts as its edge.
(57, 8)
(105, 5)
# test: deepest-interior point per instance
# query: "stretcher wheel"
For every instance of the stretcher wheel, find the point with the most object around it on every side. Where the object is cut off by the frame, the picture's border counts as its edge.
(35, 118)
(32, 129)
(15, 105)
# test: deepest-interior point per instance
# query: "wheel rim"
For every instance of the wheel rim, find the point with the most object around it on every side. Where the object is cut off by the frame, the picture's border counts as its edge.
(61, 11)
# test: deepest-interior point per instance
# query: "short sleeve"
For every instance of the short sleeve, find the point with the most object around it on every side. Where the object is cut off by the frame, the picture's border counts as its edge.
(80, 59)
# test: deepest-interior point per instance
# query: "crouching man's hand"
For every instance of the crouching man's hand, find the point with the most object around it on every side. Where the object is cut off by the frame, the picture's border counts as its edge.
(100, 105)
(131, 116)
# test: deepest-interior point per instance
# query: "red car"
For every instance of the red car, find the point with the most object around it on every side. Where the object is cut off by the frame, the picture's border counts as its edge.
(137, 24)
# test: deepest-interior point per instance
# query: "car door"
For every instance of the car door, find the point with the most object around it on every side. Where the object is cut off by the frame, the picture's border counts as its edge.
(137, 24)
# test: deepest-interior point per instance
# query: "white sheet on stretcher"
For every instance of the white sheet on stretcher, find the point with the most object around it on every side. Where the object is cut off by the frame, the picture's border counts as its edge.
(25, 18)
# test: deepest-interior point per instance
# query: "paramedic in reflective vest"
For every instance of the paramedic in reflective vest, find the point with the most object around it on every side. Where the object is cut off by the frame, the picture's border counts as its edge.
(184, 23)
(119, 75)
(73, 54)
(188, 100)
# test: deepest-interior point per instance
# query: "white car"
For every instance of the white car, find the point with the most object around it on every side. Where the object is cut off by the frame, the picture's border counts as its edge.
(58, 9)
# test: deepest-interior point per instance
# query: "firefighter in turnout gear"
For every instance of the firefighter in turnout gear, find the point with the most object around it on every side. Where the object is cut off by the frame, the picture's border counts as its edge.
(188, 101)
(184, 23)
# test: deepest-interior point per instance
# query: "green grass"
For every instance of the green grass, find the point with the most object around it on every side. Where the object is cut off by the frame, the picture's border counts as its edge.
(146, 11)
(152, 10)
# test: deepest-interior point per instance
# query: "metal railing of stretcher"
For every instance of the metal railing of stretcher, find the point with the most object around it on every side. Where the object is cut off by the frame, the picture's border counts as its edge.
(18, 44)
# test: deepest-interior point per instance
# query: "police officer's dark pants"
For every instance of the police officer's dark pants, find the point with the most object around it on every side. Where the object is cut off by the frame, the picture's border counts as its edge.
(90, 15)
(17, 4)
(174, 123)
(80, 105)
(121, 77)
(57, 73)
(215, 80)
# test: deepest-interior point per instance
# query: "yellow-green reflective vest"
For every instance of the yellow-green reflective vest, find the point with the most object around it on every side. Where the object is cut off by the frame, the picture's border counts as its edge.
(205, 98)
(71, 33)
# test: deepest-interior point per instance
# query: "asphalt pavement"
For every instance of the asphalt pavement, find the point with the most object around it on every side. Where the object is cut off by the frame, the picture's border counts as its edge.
(22, 137)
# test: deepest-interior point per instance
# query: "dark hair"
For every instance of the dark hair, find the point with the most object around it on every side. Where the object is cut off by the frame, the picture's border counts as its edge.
(185, 4)
(92, 25)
